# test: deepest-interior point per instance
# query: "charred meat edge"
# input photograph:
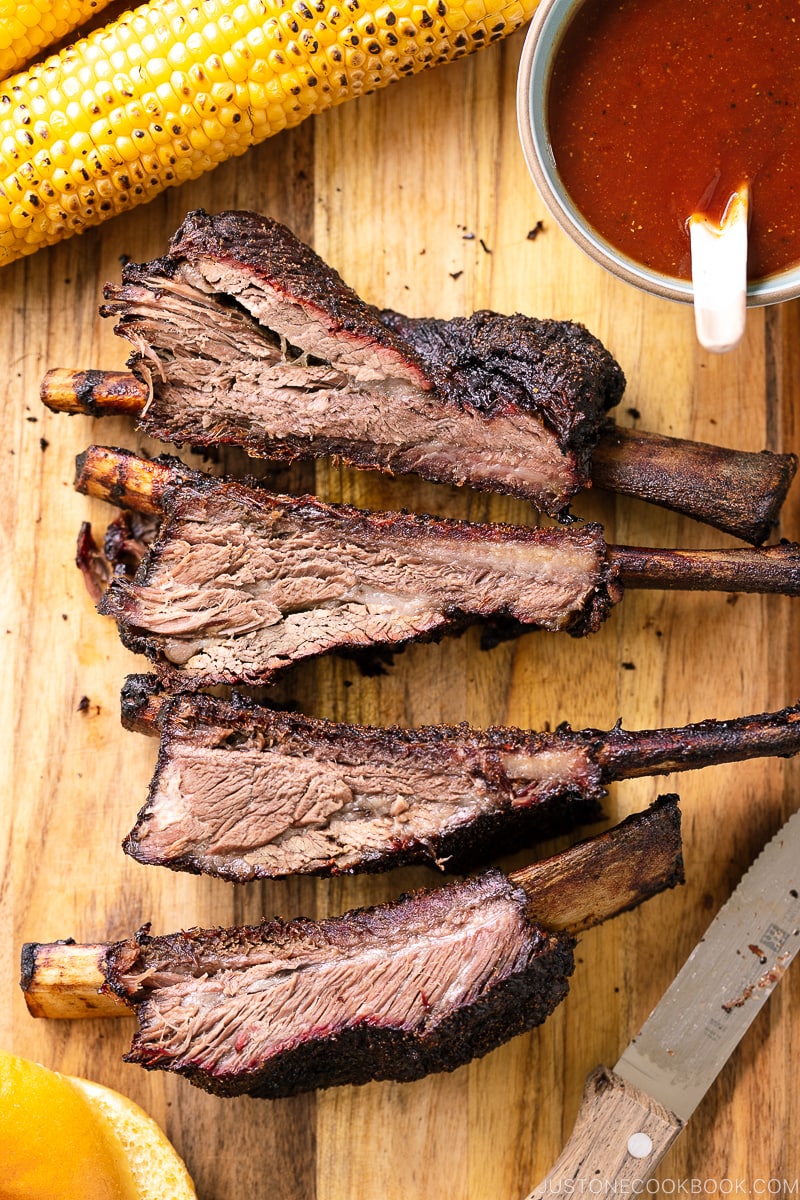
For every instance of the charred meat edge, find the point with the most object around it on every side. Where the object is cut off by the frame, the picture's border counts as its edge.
(425, 983)
(382, 579)
(286, 793)
(573, 891)
(241, 327)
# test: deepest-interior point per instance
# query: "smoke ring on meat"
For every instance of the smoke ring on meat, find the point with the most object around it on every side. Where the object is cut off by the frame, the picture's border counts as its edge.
(240, 584)
(398, 991)
(244, 335)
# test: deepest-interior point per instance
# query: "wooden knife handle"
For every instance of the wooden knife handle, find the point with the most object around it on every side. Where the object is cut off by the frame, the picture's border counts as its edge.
(620, 1136)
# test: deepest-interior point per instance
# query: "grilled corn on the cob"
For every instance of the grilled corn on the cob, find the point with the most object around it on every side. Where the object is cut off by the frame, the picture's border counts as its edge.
(27, 28)
(178, 86)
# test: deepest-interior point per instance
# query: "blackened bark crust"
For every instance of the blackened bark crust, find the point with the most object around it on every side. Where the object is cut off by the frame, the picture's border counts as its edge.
(526, 982)
(397, 390)
(490, 360)
(337, 579)
(511, 796)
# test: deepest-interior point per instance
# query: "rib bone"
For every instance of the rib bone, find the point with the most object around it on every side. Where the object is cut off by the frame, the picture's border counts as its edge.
(422, 984)
(244, 792)
(240, 584)
(243, 335)
(736, 491)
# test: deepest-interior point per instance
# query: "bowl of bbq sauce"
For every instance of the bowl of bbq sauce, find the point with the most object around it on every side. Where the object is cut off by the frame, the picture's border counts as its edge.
(636, 115)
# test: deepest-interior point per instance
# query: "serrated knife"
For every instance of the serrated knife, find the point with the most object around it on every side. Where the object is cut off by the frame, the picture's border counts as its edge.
(631, 1115)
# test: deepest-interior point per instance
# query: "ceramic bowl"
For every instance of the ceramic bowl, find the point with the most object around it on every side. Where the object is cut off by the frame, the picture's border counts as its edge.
(544, 36)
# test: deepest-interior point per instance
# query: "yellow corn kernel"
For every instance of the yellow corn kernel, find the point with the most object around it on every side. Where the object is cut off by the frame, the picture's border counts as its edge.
(26, 29)
(174, 88)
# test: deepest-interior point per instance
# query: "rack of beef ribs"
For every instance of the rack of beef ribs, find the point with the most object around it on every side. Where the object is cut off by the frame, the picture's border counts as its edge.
(242, 791)
(425, 983)
(243, 335)
(240, 584)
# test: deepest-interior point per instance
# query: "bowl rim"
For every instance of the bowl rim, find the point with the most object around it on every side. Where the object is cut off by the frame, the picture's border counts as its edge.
(548, 23)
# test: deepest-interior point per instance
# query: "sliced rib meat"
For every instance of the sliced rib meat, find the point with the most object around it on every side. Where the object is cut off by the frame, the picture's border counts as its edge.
(244, 335)
(241, 584)
(424, 984)
(242, 791)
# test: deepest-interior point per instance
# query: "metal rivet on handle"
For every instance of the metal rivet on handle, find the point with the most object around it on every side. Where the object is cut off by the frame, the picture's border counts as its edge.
(639, 1145)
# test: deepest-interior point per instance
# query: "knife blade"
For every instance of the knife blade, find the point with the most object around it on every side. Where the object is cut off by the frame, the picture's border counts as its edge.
(631, 1115)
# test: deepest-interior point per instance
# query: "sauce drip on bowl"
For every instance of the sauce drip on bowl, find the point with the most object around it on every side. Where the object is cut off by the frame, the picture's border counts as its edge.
(658, 109)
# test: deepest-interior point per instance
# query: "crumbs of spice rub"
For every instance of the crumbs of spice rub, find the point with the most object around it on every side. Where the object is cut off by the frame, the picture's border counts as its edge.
(83, 704)
(456, 274)
(633, 413)
(484, 247)
(43, 443)
(628, 666)
(740, 1001)
(532, 234)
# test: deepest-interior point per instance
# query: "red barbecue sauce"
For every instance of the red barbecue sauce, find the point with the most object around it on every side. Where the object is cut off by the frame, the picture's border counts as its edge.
(660, 108)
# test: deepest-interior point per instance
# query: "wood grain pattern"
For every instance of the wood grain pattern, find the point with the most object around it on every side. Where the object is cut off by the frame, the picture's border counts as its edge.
(419, 196)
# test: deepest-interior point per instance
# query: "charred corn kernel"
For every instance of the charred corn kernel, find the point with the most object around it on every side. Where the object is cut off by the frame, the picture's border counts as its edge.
(26, 29)
(175, 87)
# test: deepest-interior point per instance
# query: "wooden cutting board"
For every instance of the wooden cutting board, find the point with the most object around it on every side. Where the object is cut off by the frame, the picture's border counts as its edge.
(419, 196)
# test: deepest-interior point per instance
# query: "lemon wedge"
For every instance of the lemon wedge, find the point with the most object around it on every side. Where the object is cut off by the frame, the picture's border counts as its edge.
(62, 1137)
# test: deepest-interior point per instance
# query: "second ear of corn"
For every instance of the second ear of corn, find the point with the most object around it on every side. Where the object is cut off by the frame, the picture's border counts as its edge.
(176, 87)
(27, 28)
